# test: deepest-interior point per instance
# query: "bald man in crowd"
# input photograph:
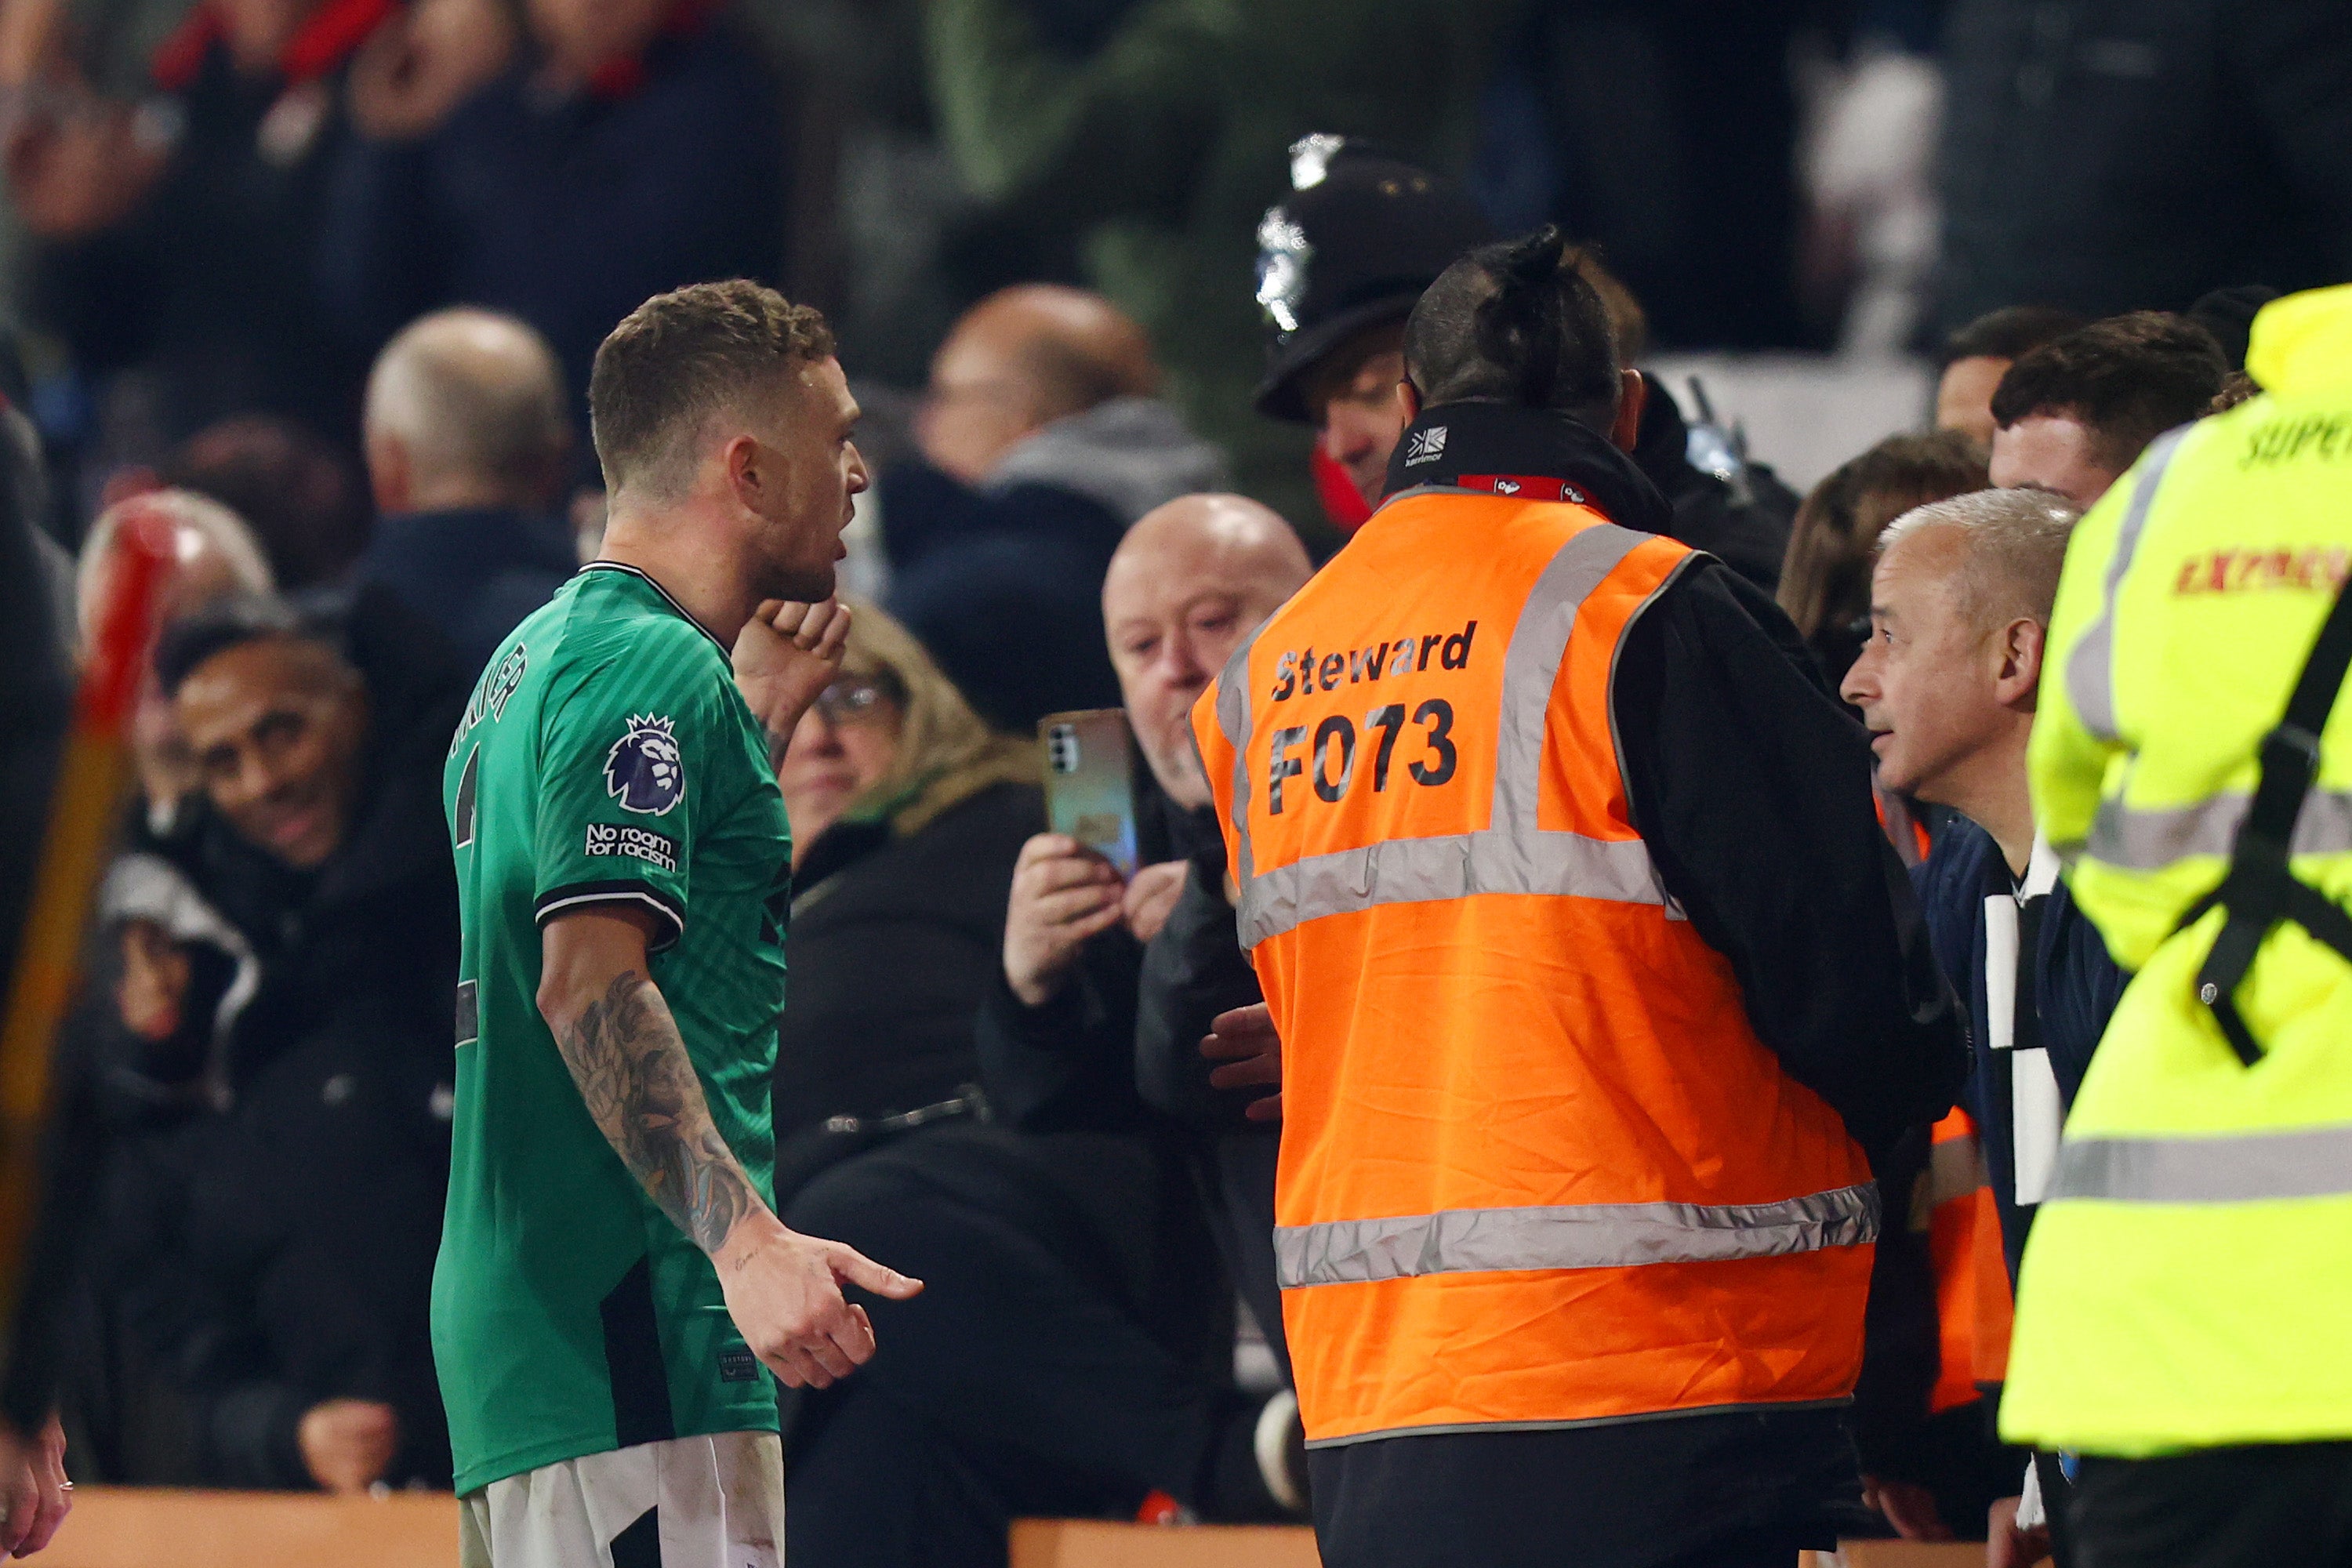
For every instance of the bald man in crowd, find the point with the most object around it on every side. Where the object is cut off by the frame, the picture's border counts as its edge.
(468, 446)
(1189, 583)
(1043, 439)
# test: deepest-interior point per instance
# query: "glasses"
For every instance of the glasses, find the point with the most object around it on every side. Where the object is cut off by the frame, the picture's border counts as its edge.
(857, 699)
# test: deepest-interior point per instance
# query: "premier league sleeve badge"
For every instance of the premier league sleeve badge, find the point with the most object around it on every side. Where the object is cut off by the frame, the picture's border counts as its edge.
(644, 771)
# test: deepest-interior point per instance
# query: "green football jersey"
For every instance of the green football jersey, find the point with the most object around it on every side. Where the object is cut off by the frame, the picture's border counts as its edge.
(606, 757)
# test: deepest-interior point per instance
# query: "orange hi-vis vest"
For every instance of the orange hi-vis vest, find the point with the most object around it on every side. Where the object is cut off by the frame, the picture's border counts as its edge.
(1537, 1170)
(1972, 1301)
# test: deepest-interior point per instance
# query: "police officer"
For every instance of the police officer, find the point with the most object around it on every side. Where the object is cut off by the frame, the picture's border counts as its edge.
(2182, 1310)
(1594, 977)
(1339, 266)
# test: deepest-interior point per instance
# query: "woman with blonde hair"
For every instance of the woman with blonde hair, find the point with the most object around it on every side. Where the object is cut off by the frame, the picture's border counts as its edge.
(908, 812)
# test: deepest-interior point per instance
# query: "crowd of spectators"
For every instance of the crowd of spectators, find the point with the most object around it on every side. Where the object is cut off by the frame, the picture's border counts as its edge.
(320, 292)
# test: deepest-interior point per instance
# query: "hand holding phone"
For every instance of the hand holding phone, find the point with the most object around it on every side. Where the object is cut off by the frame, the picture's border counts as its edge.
(1063, 894)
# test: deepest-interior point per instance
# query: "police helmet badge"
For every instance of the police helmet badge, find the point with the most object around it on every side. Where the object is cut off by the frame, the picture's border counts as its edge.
(1310, 159)
(644, 771)
(1283, 254)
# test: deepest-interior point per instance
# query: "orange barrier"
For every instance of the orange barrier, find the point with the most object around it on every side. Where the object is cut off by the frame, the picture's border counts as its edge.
(1091, 1543)
(142, 1527)
(133, 1527)
(1088, 1544)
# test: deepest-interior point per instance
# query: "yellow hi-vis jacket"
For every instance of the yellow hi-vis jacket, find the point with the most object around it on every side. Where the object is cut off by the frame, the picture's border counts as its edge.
(2189, 1283)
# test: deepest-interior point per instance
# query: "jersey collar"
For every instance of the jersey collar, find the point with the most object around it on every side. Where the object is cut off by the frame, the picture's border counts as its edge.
(666, 598)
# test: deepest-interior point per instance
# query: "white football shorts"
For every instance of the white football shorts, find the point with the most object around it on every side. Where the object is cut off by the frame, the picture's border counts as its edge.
(687, 1502)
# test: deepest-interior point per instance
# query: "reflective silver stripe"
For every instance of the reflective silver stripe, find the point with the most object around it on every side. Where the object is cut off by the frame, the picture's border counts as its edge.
(1511, 854)
(1454, 866)
(2091, 668)
(1233, 719)
(1573, 1236)
(2220, 1168)
(2149, 839)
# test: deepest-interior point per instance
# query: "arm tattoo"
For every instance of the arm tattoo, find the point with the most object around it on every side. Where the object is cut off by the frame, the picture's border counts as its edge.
(633, 1070)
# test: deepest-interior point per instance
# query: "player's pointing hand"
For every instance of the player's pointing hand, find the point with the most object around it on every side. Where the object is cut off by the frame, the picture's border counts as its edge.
(784, 1291)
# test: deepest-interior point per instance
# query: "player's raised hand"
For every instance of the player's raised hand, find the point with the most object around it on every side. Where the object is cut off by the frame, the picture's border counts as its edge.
(784, 1291)
(785, 655)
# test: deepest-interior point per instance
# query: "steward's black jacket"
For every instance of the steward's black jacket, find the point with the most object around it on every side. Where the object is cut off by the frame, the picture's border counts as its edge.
(1752, 787)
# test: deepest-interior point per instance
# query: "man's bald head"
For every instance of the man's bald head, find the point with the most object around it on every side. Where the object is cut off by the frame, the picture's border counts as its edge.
(466, 407)
(1230, 537)
(1188, 582)
(1021, 359)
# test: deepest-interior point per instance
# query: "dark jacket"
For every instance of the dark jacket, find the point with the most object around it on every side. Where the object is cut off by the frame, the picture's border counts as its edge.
(210, 285)
(2075, 988)
(1746, 527)
(473, 573)
(1005, 591)
(1192, 971)
(276, 1175)
(895, 941)
(567, 212)
(1003, 582)
(1064, 1074)
(2107, 156)
(1751, 788)
(1070, 1063)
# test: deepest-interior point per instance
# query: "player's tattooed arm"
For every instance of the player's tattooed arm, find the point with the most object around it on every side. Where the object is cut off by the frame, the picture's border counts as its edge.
(633, 1071)
(619, 1042)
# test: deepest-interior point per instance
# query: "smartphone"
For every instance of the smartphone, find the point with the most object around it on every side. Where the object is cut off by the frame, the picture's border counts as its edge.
(1090, 781)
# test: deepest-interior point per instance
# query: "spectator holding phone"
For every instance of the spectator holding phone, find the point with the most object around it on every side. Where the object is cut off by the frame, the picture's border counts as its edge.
(1071, 1351)
(1186, 585)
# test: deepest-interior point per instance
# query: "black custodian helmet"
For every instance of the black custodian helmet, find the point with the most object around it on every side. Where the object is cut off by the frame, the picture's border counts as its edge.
(1362, 235)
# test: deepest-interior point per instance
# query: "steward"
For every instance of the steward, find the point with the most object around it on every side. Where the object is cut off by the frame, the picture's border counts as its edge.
(1595, 977)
